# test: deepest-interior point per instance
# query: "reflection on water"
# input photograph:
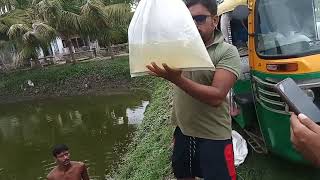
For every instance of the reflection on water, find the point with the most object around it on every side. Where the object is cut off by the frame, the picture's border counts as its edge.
(97, 130)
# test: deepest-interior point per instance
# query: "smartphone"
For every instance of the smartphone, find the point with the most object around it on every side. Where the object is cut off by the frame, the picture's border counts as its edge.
(297, 100)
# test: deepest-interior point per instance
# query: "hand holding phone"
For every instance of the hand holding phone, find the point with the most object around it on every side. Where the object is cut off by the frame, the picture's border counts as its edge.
(297, 99)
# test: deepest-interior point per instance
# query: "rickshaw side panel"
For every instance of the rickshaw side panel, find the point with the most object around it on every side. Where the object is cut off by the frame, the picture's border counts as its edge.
(243, 92)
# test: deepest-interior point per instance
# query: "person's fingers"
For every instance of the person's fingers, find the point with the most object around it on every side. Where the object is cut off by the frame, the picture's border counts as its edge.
(166, 67)
(309, 123)
(294, 121)
(292, 138)
(170, 69)
(302, 116)
(153, 68)
(298, 128)
(157, 68)
(150, 68)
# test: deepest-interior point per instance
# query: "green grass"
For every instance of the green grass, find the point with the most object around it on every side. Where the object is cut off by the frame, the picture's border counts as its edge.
(149, 157)
(12, 83)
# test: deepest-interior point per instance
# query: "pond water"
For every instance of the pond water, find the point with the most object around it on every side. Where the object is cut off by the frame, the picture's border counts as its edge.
(97, 129)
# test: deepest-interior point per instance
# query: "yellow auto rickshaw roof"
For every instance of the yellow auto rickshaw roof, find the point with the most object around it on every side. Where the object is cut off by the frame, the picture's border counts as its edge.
(229, 5)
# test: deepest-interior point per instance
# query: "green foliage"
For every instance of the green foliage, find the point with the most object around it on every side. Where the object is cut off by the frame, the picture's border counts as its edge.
(18, 4)
(118, 1)
(73, 6)
(119, 35)
(29, 40)
(105, 21)
(21, 4)
(15, 17)
(107, 24)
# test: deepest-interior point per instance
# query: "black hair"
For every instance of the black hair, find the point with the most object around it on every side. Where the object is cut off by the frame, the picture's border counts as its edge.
(211, 5)
(59, 148)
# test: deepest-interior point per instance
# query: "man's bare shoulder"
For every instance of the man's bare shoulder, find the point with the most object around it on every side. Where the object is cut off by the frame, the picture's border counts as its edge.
(52, 174)
(77, 163)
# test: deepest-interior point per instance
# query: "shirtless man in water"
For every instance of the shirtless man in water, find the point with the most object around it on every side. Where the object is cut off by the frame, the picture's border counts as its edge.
(66, 169)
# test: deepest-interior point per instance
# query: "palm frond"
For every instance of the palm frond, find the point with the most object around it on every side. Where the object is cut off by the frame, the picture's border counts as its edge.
(119, 14)
(4, 44)
(22, 4)
(69, 22)
(30, 38)
(48, 11)
(44, 31)
(92, 6)
(3, 28)
(17, 30)
(93, 17)
(35, 2)
(72, 5)
(109, 2)
(28, 52)
(96, 17)
(17, 16)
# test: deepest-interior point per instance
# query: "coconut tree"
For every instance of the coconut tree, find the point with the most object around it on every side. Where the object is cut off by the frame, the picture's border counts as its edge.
(100, 20)
(31, 40)
(65, 23)
(17, 13)
(104, 22)
(8, 46)
(93, 19)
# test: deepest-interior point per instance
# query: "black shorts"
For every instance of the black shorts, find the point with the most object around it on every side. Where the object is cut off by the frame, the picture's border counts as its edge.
(204, 158)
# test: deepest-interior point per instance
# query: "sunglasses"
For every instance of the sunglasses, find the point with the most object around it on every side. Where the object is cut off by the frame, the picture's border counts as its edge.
(200, 19)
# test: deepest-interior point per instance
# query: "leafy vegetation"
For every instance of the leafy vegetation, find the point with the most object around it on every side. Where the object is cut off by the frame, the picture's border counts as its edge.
(101, 20)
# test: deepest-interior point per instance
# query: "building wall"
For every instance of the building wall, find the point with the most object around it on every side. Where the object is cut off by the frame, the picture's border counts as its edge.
(57, 47)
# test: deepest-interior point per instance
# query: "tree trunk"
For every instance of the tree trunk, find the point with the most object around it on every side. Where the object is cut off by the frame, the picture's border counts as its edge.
(110, 52)
(69, 44)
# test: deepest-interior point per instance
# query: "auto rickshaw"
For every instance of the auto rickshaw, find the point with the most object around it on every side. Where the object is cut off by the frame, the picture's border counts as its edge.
(283, 41)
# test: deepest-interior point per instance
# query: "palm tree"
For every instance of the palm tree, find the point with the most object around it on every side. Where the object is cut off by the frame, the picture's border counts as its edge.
(30, 40)
(104, 22)
(65, 23)
(17, 16)
(93, 19)
(67, 18)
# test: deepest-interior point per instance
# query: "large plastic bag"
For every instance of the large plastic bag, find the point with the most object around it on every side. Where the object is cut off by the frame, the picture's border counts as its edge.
(240, 149)
(163, 31)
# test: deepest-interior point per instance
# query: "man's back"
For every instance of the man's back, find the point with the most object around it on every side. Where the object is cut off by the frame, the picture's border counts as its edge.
(73, 173)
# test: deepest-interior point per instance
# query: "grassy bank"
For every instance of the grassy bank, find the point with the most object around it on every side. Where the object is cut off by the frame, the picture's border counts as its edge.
(149, 154)
(67, 79)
